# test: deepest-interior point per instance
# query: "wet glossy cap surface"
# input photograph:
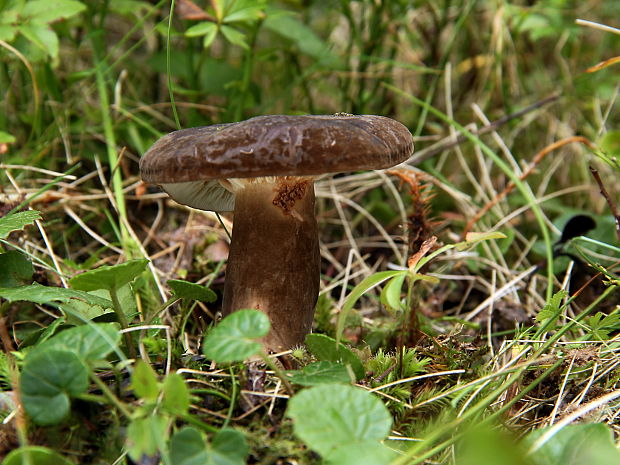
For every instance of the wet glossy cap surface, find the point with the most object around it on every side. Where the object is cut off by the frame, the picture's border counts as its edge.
(277, 145)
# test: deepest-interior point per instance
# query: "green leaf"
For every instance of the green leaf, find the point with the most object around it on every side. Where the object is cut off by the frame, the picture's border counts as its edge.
(200, 29)
(235, 337)
(127, 299)
(47, 332)
(42, 36)
(5, 137)
(16, 269)
(47, 11)
(48, 295)
(79, 312)
(47, 382)
(553, 308)
(209, 38)
(109, 277)
(486, 445)
(17, 222)
(610, 143)
(473, 238)
(7, 33)
(35, 455)
(577, 444)
(327, 349)
(229, 447)
(144, 381)
(192, 291)
(189, 447)
(361, 453)
(601, 325)
(234, 36)
(176, 394)
(89, 342)
(320, 373)
(391, 293)
(249, 13)
(358, 291)
(130, 7)
(329, 417)
(304, 38)
(145, 436)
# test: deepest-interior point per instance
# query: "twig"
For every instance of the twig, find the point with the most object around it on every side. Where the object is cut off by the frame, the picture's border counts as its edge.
(610, 202)
(510, 187)
(599, 26)
(441, 146)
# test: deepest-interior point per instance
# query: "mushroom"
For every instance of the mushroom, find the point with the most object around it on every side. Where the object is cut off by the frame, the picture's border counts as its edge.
(264, 169)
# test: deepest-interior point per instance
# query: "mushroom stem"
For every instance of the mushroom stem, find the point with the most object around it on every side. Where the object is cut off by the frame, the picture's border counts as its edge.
(273, 263)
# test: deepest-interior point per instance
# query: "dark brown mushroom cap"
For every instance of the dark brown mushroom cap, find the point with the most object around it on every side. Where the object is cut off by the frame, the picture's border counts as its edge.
(277, 145)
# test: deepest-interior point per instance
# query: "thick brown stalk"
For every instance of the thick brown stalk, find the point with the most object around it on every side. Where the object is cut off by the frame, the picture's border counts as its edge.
(273, 264)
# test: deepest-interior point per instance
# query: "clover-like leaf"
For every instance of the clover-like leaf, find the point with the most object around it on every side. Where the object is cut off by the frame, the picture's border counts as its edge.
(189, 447)
(235, 337)
(48, 380)
(144, 436)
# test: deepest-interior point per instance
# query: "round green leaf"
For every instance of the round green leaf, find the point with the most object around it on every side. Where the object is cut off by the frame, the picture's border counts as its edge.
(328, 416)
(48, 379)
(235, 337)
(109, 277)
(35, 455)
